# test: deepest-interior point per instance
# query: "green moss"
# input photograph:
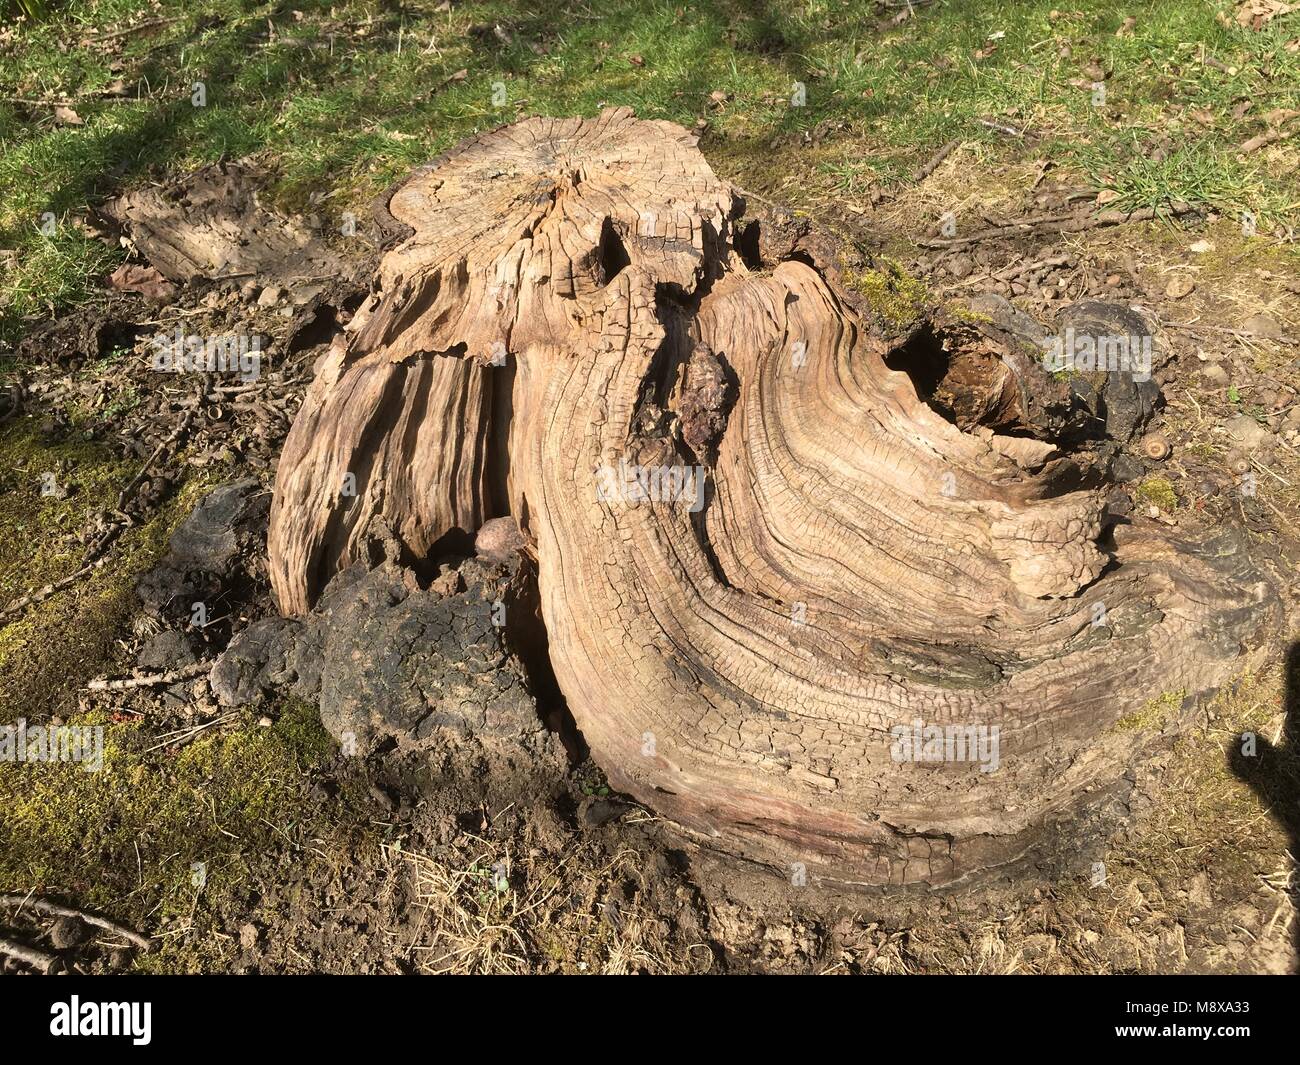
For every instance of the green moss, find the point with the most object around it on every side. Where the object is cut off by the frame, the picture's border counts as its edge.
(1158, 491)
(128, 838)
(963, 313)
(52, 648)
(898, 298)
(1154, 714)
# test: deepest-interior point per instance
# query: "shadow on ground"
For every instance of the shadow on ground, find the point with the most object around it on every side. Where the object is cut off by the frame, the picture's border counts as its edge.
(1273, 770)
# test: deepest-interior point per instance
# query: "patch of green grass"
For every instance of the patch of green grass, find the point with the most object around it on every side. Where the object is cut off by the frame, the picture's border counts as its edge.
(338, 99)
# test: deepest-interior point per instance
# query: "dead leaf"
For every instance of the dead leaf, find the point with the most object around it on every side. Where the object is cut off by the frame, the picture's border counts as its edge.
(1260, 140)
(893, 21)
(1179, 287)
(1256, 14)
(66, 116)
(146, 280)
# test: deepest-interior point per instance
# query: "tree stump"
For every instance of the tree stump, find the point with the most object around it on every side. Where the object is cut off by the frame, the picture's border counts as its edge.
(791, 607)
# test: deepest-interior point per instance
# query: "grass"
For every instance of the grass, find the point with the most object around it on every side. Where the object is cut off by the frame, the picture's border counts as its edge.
(339, 99)
(496, 916)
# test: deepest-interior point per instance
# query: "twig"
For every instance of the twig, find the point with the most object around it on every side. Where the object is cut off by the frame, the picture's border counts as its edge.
(1001, 127)
(27, 101)
(170, 677)
(42, 594)
(1194, 327)
(137, 28)
(97, 558)
(183, 736)
(54, 909)
(37, 958)
(144, 470)
(1260, 466)
(934, 162)
(1018, 270)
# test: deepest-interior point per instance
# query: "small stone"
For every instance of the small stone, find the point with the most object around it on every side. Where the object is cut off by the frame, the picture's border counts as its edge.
(601, 811)
(1236, 461)
(1179, 287)
(270, 296)
(1126, 469)
(249, 934)
(1247, 432)
(1261, 325)
(167, 651)
(304, 294)
(960, 266)
(499, 539)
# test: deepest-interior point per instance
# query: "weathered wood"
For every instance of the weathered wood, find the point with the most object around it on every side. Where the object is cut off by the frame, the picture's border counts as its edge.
(738, 659)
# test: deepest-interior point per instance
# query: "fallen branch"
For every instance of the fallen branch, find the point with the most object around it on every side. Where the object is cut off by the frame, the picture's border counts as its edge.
(170, 677)
(55, 909)
(1066, 223)
(36, 958)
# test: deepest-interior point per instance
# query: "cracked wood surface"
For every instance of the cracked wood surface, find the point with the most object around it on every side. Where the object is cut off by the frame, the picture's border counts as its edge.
(568, 297)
